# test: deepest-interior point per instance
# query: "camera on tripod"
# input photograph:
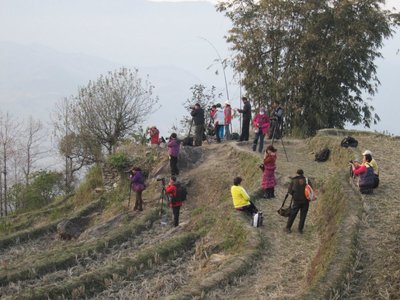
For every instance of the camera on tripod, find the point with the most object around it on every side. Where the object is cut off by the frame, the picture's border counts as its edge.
(163, 180)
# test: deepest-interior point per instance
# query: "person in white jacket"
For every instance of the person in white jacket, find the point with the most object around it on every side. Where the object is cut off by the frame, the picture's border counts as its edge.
(219, 123)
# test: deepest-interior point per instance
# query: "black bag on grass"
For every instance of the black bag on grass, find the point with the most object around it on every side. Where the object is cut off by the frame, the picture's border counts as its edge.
(187, 141)
(349, 142)
(322, 155)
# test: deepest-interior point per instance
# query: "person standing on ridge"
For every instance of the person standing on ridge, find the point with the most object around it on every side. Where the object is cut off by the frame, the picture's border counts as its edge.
(228, 119)
(276, 121)
(175, 204)
(261, 126)
(268, 181)
(173, 152)
(246, 112)
(219, 123)
(198, 119)
(300, 203)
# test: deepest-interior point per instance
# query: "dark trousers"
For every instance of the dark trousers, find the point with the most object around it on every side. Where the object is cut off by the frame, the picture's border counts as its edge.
(303, 207)
(275, 130)
(175, 212)
(259, 136)
(198, 134)
(173, 163)
(249, 209)
(245, 130)
(218, 132)
(139, 201)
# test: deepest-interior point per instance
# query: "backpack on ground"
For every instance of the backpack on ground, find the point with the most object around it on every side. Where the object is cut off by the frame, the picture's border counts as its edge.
(309, 192)
(181, 193)
(235, 136)
(322, 155)
(349, 142)
(257, 219)
(187, 141)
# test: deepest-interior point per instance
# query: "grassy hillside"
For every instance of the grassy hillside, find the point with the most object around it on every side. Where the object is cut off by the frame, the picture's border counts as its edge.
(214, 253)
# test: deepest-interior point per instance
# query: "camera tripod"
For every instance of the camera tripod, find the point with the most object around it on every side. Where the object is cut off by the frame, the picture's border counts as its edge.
(277, 125)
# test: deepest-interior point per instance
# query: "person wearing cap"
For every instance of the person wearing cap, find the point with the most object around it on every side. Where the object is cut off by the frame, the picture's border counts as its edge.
(240, 198)
(198, 119)
(365, 173)
(300, 202)
(260, 126)
(373, 163)
(228, 120)
(275, 131)
(268, 181)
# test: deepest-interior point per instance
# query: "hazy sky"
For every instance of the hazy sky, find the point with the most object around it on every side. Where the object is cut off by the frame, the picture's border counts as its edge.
(64, 26)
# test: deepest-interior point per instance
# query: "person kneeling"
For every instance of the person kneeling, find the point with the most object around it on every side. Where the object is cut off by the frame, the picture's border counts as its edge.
(241, 200)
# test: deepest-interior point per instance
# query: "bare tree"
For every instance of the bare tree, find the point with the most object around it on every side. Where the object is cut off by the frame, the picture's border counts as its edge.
(79, 148)
(8, 139)
(112, 106)
(31, 146)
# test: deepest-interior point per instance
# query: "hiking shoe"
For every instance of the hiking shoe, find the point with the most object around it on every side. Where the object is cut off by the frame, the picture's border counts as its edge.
(287, 230)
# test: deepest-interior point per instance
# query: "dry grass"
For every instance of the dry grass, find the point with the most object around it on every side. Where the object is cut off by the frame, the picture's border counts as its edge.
(342, 254)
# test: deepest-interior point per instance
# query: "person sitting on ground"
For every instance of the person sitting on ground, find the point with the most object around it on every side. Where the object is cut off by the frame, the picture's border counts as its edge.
(365, 172)
(137, 185)
(240, 198)
(261, 126)
(173, 152)
(368, 156)
(268, 181)
(170, 189)
(300, 202)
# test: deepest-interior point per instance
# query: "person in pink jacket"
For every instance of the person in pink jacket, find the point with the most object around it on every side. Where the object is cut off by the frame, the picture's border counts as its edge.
(261, 127)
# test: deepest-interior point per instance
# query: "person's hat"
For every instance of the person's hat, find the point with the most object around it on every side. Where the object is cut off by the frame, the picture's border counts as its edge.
(227, 102)
(271, 148)
(367, 152)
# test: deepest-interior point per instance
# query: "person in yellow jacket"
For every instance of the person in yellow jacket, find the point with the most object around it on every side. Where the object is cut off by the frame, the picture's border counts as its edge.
(241, 200)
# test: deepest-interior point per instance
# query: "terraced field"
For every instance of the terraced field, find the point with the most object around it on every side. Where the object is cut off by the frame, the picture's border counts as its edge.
(214, 253)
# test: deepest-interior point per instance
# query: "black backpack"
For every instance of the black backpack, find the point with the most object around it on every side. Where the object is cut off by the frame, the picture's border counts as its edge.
(322, 155)
(349, 142)
(181, 193)
(187, 141)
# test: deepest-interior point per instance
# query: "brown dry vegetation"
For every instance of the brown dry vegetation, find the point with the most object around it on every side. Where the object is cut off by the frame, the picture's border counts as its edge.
(348, 250)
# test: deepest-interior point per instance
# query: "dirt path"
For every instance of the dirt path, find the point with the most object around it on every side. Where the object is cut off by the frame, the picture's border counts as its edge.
(280, 272)
(378, 275)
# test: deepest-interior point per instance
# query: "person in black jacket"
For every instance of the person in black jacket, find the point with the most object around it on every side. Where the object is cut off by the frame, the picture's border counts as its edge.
(300, 202)
(275, 130)
(246, 111)
(198, 119)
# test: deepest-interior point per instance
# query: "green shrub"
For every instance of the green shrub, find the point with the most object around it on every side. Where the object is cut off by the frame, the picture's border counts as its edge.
(119, 161)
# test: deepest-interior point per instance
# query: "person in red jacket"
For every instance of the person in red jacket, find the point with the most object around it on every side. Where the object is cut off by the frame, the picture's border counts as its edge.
(154, 136)
(175, 204)
(261, 126)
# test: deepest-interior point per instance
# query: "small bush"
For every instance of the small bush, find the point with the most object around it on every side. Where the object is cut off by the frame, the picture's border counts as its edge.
(119, 161)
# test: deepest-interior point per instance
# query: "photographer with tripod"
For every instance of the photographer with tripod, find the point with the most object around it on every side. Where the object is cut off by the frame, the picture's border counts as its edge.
(276, 118)
(174, 203)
